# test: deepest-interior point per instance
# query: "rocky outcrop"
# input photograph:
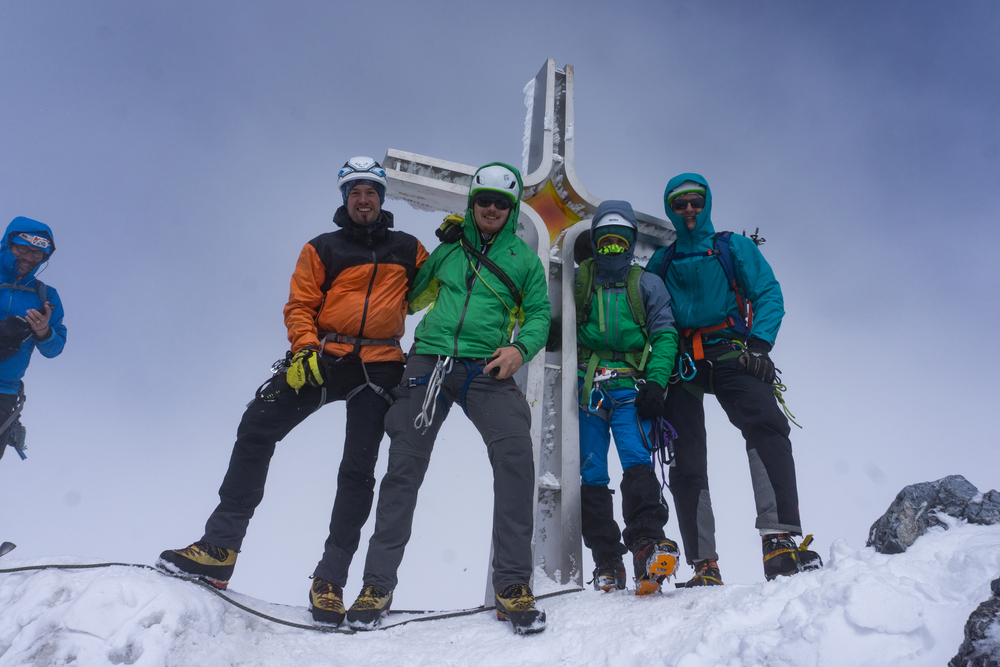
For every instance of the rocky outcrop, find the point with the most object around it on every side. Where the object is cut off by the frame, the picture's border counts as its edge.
(916, 507)
(981, 647)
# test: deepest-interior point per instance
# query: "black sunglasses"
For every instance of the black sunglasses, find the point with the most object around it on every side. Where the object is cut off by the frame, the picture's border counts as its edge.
(681, 204)
(499, 201)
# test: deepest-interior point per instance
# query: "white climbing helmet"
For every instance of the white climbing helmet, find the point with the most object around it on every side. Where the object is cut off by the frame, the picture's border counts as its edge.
(362, 168)
(497, 178)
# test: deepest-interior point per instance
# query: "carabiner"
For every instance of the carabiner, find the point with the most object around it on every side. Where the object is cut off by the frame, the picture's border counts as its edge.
(685, 358)
(600, 399)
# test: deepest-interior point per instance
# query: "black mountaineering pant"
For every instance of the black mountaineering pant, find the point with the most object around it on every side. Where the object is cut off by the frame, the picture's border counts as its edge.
(265, 422)
(751, 407)
(644, 511)
(7, 403)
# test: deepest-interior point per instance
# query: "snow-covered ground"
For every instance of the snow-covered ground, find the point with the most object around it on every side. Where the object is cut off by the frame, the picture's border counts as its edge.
(863, 608)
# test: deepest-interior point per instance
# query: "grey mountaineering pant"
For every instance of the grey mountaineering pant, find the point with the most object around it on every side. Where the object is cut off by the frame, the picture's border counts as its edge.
(752, 408)
(500, 412)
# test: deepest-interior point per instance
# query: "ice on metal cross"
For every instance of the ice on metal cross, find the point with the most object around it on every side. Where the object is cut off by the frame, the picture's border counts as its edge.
(551, 186)
(553, 204)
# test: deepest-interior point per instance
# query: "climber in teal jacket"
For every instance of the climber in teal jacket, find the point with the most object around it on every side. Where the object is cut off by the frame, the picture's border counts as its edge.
(728, 308)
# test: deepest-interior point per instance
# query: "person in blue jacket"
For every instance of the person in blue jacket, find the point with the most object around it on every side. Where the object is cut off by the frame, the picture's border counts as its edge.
(725, 350)
(31, 316)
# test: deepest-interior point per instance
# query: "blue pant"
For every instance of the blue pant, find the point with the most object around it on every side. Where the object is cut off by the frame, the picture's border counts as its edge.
(615, 416)
(643, 507)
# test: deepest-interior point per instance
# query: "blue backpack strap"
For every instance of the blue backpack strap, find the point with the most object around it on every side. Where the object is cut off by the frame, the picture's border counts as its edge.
(720, 248)
(668, 256)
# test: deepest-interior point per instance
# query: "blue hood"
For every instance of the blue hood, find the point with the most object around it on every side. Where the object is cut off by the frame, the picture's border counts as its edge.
(612, 268)
(8, 262)
(703, 228)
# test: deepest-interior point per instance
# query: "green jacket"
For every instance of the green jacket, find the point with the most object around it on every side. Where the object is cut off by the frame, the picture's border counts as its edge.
(620, 332)
(471, 312)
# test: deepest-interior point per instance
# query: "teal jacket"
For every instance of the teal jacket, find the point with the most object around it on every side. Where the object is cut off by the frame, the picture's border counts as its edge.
(700, 294)
(471, 312)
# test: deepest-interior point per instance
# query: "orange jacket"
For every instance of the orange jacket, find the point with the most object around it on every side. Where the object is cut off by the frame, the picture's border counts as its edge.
(353, 282)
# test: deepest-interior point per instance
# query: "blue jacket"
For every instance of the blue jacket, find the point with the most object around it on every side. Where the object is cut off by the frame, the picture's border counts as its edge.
(18, 302)
(698, 288)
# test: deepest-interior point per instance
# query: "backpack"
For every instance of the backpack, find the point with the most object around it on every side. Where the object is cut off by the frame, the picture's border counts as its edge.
(720, 249)
(584, 297)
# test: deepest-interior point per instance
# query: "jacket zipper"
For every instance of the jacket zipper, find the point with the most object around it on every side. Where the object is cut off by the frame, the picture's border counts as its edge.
(371, 283)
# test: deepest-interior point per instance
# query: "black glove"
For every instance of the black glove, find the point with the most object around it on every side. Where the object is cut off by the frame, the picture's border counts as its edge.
(451, 229)
(649, 400)
(13, 332)
(755, 361)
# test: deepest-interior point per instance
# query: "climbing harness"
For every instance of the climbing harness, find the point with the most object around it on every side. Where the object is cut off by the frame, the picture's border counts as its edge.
(423, 421)
(368, 384)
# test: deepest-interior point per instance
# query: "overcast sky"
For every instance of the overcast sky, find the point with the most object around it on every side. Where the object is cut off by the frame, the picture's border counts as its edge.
(183, 152)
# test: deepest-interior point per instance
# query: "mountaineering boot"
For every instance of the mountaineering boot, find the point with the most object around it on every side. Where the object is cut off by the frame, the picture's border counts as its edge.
(706, 573)
(809, 560)
(517, 605)
(326, 602)
(609, 576)
(654, 561)
(783, 558)
(369, 609)
(201, 560)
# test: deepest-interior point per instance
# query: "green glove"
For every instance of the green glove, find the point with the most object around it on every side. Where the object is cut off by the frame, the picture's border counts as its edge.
(451, 229)
(304, 370)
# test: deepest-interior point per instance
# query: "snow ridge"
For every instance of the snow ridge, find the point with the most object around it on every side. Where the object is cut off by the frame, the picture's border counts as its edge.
(863, 608)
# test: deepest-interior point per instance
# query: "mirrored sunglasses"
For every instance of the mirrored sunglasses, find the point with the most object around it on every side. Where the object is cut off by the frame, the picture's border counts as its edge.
(681, 204)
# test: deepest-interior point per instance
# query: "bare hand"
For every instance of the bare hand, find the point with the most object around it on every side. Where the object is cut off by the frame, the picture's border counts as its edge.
(506, 360)
(39, 320)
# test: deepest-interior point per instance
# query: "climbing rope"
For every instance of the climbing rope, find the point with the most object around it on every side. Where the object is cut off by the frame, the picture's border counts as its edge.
(423, 615)
(424, 420)
(778, 389)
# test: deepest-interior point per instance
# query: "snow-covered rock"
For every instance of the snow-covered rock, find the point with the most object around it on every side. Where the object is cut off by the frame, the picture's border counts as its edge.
(981, 647)
(916, 509)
